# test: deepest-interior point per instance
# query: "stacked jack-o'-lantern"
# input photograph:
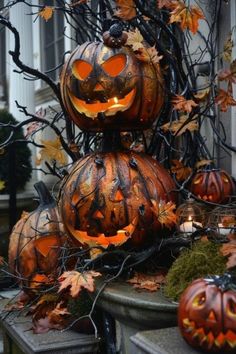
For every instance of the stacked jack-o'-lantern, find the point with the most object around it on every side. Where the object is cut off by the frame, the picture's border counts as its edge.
(112, 196)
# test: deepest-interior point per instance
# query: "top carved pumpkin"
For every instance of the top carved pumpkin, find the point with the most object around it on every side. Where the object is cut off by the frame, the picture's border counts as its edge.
(106, 88)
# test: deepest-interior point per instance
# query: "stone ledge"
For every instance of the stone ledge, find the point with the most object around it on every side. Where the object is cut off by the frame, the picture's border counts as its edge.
(161, 341)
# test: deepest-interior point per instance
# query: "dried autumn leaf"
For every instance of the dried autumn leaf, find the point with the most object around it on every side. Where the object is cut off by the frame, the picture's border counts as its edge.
(125, 9)
(229, 221)
(202, 163)
(148, 55)
(147, 282)
(188, 17)
(32, 128)
(52, 151)
(2, 185)
(46, 13)
(202, 94)
(168, 4)
(228, 74)
(229, 250)
(181, 172)
(76, 281)
(178, 127)
(166, 215)
(225, 99)
(227, 51)
(134, 39)
(181, 104)
(76, 3)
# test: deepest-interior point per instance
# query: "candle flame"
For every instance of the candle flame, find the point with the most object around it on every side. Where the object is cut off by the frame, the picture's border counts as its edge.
(116, 100)
(190, 218)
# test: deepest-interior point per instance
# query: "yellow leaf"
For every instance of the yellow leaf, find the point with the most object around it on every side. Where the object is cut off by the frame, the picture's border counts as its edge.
(202, 163)
(180, 126)
(46, 13)
(52, 151)
(227, 51)
(202, 94)
(135, 39)
(2, 185)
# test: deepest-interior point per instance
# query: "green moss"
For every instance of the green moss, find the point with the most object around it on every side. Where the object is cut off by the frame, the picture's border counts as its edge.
(202, 260)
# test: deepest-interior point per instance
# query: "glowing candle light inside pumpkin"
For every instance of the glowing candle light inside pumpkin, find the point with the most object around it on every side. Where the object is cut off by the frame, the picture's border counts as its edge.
(116, 100)
(188, 227)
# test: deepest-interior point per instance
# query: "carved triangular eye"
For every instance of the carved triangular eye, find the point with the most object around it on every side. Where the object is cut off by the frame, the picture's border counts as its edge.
(98, 215)
(114, 65)
(119, 195)
(81, 69)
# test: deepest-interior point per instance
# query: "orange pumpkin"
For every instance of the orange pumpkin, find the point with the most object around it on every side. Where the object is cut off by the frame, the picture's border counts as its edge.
(36, 240)
(110, 197)
(207, 314)
(213, 185)
(108, 88)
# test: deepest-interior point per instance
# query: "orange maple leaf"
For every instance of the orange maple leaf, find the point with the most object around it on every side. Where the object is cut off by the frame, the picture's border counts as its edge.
(46, 13)
(149, 55)
(225, 99)
(125, 9)
(181, 104)
(146, 281)
(187, 16)
(181, 172)
(180, 126)
(76, 281)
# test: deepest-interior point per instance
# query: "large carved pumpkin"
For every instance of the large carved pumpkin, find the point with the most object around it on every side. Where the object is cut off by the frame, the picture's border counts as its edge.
(109, 88)
(207, 314)
(212, 185)
(110, 197)
(36, 240)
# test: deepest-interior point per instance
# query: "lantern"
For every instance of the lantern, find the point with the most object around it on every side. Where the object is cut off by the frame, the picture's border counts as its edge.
(105, 87)
(189, 215)
(110, 197)
(36, 240)
(222, 220)
(207, 314)
(213, 185)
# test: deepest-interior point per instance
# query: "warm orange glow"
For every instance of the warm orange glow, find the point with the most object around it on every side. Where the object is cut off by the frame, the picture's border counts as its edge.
(109, 108)
(81, 69)
(114, 65)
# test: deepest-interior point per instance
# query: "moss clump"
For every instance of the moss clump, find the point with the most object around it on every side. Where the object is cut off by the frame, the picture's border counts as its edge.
(203, 259)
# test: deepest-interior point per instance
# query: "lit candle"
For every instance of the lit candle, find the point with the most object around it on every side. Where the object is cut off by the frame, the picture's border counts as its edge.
(188, 227)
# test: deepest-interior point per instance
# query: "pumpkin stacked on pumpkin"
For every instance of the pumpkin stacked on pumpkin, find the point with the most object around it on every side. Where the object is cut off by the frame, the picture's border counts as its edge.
(112, 196)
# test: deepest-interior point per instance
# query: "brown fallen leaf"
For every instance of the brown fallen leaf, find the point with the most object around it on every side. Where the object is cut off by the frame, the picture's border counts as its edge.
(202, 95)
(181, 104)
(180, 126)
(148, 55)
(225, 99)
(228, 74)
(46, 13)
(229, 250)
(75, 281)
(168, 4)
(228, 47)
(181, 171)
(146, 281)
(125, 9)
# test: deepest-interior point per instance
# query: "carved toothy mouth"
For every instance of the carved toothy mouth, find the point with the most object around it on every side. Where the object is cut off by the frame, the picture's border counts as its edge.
(109, 108)
(208, 339)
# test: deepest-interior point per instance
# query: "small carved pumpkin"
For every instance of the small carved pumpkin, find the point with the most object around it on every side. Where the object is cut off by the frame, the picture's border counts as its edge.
(103, 87)
(212, 185)
(110, 197)
(36, 240)
(207, 314)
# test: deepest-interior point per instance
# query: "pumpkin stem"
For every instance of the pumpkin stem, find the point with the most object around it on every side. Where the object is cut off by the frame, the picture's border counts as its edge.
(45, 196)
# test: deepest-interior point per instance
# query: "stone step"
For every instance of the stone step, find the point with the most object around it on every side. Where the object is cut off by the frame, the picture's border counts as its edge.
(161, 341)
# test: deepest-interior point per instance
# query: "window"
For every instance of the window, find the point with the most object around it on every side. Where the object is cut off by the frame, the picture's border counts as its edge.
(52, 41)
(3, 80)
